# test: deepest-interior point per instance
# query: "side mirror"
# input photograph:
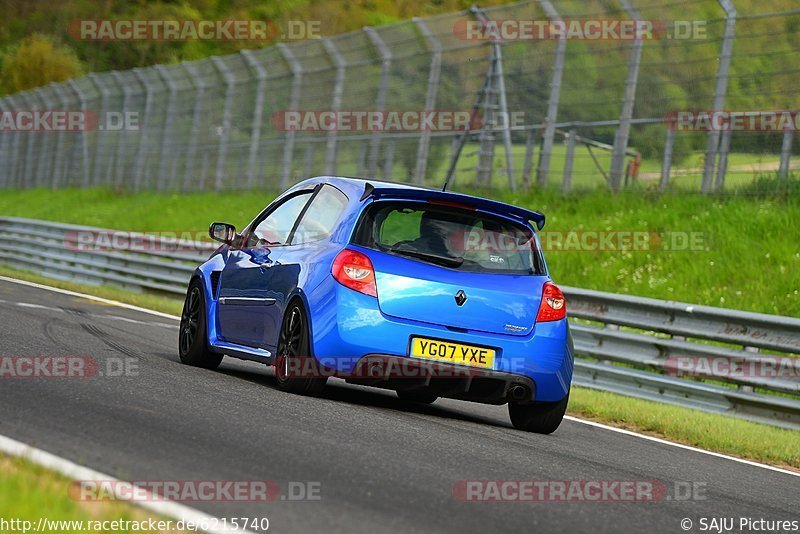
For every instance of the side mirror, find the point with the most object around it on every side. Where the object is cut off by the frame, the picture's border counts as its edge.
(222, 232)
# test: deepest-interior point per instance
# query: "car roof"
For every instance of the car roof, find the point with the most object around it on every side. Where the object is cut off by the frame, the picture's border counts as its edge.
(358, 188)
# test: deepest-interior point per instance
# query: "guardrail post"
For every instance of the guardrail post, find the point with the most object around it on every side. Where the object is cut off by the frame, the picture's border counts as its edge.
(297, 79)
(336, 102)
(28, 175)
(258, 112)
(786, 154)
(568, 161)
(102, 135)
(430, 97)
(552, 102)
(722, 167)
(138, 164)
(666, 164)
(624, 128)
(720, 92)
(380, 99)
(197, 112)
(226, 119)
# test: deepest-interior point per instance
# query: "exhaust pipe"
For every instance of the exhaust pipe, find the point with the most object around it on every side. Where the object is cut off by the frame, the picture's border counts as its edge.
(518, 392)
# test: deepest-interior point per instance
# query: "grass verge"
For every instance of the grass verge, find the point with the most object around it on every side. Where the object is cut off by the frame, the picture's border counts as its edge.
(713, 432)
(29, 492)
(744, 253)
(719, 433)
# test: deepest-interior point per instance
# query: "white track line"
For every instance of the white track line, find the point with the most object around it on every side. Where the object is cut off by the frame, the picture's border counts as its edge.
(574, 419)
(74, 471)
(89, 297)
(681, 445)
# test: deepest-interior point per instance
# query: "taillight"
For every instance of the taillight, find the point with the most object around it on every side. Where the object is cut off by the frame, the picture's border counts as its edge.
(354, 270)
(553, 306)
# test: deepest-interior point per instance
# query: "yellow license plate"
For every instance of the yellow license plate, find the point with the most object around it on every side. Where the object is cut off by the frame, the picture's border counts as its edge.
(432, 349)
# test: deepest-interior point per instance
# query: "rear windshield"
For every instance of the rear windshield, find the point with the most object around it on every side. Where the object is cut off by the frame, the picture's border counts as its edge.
(452, 237)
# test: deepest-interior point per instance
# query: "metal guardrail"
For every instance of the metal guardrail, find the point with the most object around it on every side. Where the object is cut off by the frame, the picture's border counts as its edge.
(650, 338)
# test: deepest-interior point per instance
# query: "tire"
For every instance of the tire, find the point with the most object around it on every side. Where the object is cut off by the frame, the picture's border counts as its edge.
(541, 417)
(193, 334)
(421, 397)
(296, 370)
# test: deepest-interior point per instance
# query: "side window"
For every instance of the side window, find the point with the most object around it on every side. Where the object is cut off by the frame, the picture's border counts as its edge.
(321, 216)
(275, 229)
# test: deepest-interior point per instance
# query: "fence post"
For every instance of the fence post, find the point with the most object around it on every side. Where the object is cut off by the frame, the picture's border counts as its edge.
(569, 158)
(258, 113)
(29, 157)
(84, 145)
(786, 154)
(666, 164)
(336, 102)
(102, 135)
(41, 170)
(167, 146)
(191, 148)
(430, 97)
(60, 166)
(226, 120)
(123, 137)
(297, 79)
(722, 167)
(552, 102)
(380, 99)
(138, 163)
(623, 131)
(720, 92)
(6, 141)
(14, 146)
(501, 87)
(5, 136)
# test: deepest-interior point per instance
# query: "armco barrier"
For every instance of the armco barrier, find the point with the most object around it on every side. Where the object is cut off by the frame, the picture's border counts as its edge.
(646, 336)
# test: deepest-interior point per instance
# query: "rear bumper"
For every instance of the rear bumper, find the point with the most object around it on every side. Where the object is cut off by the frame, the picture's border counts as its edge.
(442, 379)
(347, 326)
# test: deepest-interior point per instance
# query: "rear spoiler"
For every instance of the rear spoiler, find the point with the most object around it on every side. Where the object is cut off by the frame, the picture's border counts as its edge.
(373, 192)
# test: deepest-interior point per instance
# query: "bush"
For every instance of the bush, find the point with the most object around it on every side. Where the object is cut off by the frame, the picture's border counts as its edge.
(37, 60)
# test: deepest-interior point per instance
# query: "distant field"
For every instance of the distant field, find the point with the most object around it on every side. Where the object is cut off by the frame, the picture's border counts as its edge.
(686, 175)
(748, 255)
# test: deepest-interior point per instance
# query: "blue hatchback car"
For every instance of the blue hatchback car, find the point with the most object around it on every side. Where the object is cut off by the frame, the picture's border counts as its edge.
(429, 293)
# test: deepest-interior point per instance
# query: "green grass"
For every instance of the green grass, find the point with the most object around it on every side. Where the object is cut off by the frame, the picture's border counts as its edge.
(153, 302)
(29, 492)
(708, 431)
(749, 259)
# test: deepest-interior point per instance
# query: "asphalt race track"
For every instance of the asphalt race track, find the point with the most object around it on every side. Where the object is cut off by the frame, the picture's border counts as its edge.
(381, 465)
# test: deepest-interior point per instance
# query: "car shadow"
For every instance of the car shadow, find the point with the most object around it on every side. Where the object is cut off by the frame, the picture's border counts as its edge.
(339, 391)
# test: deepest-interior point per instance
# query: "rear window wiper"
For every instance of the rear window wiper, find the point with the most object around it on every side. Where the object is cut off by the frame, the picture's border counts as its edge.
(433, 258)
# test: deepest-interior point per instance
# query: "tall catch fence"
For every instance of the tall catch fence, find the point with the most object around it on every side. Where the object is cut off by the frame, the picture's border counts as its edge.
(567, 109)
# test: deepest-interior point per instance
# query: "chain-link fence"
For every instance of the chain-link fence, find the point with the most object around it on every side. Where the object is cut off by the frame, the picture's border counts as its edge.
(574, 110)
